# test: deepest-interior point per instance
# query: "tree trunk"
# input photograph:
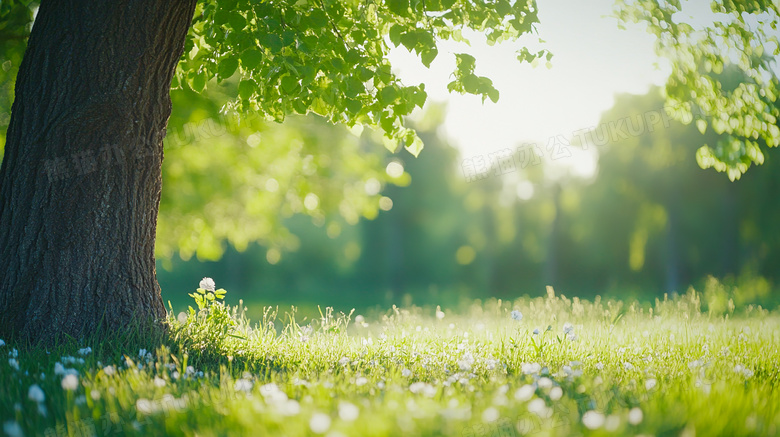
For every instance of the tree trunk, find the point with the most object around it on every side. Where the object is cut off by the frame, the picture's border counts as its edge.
(81, 178)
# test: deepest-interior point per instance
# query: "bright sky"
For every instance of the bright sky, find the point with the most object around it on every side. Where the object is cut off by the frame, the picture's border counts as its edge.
(593, 60)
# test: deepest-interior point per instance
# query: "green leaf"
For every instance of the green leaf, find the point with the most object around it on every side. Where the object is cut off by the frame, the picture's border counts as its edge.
(428, 56)
(236, 21)
(251, 58)
(701, 125)
(198, 81)
(246, 88)
(399, 7)
(272, 42)
(395, 34)
(414, 146)
(227, 67)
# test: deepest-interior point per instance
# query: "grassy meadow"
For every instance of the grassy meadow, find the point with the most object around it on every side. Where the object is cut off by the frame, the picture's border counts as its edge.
(547, 366)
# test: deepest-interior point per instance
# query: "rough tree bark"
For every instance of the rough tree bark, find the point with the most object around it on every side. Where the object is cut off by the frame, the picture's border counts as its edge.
(81, 178)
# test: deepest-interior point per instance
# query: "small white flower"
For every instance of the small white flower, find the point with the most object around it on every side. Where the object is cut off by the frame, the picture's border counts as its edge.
(244, 385)
(568, 328)
(361, 380)
(343, 361)
(593, 420)
(108, 370)
(13, 363)
(208, 284)
(70, 382)
(439, 312)
(536, 331)
(544, 383)
(517, 315)
(159, 382)
(406, 373)
(530, 368)
(490, 414)
(423, 388)
(36, 394)
(600, 366)
(12, 429)
(2, 343)
(538, 407)
(556, 393)
(348, 412)
(85, 351)
(635, 416)
(319, 423)
(628, 366)
(291, 407)
(525, 393)
(359, 319)
(650, 384)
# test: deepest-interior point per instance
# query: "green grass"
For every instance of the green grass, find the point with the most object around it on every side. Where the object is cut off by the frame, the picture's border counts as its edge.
(667, 368)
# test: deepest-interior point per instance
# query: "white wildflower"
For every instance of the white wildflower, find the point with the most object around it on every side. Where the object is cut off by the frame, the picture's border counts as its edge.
(525, 393)
(35, 393)
(599, 366)
(423, 388)
(628, 366)
(344, 361)
(544, 383)
(361, 380)
(635, 416)
(2, 343)
(85, 351)
(530, 368)
(536, 331)
(108, 370)
(348, 412)
(159, 382)
(319, 423)
(291, 407)
(244, 385)
(439, 312)
(406, 373)
(490, 415)
(208, 284)
(593, 419)
(568, 328)
(650, 384)
(556, 393)
(70, 382)
(538, 407)
(517, 315)
(12, 429)
(13, 363)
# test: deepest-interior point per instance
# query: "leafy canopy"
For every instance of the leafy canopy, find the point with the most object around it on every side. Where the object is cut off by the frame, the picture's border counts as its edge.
(331, 57)
(724, 73)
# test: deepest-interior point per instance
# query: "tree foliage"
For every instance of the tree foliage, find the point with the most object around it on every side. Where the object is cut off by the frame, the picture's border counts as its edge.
(724, 73)
(331, 57)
